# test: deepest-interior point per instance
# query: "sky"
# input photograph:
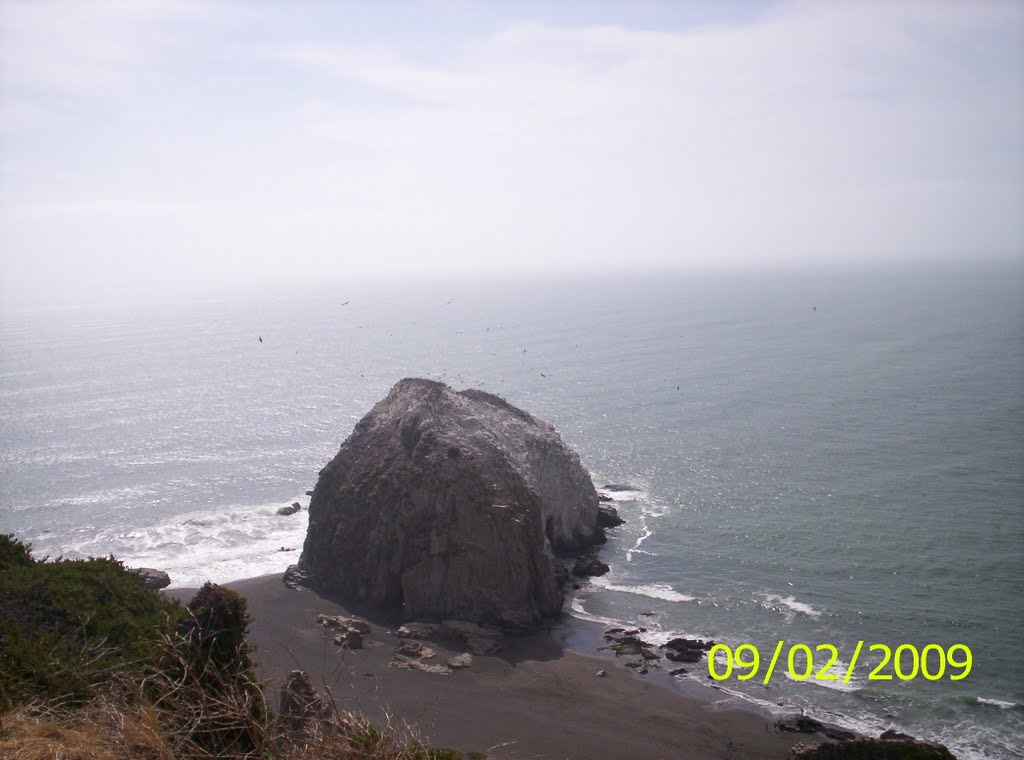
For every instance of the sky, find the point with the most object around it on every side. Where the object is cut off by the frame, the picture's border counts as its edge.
(150, 148)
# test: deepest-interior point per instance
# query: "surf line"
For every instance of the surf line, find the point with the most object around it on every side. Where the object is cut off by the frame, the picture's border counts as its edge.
(645, 513)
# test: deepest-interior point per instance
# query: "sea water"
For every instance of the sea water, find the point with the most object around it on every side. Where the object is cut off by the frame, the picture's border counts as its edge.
(819, 460)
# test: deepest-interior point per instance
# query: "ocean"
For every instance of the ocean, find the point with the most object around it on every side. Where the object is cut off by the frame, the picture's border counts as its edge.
(818, 459)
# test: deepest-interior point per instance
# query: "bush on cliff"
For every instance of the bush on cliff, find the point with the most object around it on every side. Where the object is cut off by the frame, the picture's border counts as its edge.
(216, 630)
(206, 678)
(95, 665)
(68, 623)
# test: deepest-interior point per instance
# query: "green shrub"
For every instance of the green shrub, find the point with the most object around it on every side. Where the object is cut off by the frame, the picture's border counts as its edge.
(208, 673)
(92, 660)
(65, 625)
(14, 553)
(217, 626)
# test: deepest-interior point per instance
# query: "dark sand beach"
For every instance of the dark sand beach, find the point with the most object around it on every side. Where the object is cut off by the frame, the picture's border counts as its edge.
(537, 699)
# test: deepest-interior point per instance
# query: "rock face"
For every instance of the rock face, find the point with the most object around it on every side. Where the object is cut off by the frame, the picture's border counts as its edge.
(449, 504)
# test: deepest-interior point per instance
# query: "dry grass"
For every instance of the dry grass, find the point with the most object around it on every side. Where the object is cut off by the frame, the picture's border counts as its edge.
(194, 711)
(110, 731)
(349, 736)
(100, 731)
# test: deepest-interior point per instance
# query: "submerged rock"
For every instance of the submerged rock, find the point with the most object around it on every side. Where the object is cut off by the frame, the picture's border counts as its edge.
(449, 504)
(285, 511)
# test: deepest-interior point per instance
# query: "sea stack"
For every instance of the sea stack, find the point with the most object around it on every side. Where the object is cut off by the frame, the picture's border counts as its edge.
(450, 505)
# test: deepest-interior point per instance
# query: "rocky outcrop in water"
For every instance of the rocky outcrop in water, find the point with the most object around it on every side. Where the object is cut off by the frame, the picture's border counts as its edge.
(804, 724)
(682, 649)
(874, 749)
(608, 517)
(450, 505)
(589, 566)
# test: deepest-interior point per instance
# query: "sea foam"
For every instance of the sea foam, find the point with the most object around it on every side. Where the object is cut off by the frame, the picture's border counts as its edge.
(233, 542)
(790, 603)
(653, 591)
(997, 703)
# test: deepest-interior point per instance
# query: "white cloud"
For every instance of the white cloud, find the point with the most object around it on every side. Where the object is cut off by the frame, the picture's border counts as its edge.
(817, 132)
(83, 48)
(832, 129)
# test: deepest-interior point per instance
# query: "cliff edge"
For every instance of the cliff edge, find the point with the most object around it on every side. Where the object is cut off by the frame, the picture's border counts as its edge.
(449, 504)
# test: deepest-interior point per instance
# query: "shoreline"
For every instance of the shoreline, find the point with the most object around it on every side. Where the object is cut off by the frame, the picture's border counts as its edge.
(538, 698)
(584, 637)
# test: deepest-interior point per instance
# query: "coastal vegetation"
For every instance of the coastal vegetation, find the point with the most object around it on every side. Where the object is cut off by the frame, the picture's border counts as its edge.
(66, 624)
(93, 664)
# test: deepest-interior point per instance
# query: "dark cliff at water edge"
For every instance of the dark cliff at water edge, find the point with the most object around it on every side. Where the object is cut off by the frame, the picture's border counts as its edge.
(450, 505)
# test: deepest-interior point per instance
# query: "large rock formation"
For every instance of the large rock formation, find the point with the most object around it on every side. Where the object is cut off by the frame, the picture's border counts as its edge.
(449, 504)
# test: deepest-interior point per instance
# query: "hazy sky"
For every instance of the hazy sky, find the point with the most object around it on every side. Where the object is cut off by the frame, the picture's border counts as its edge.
(182, 145)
